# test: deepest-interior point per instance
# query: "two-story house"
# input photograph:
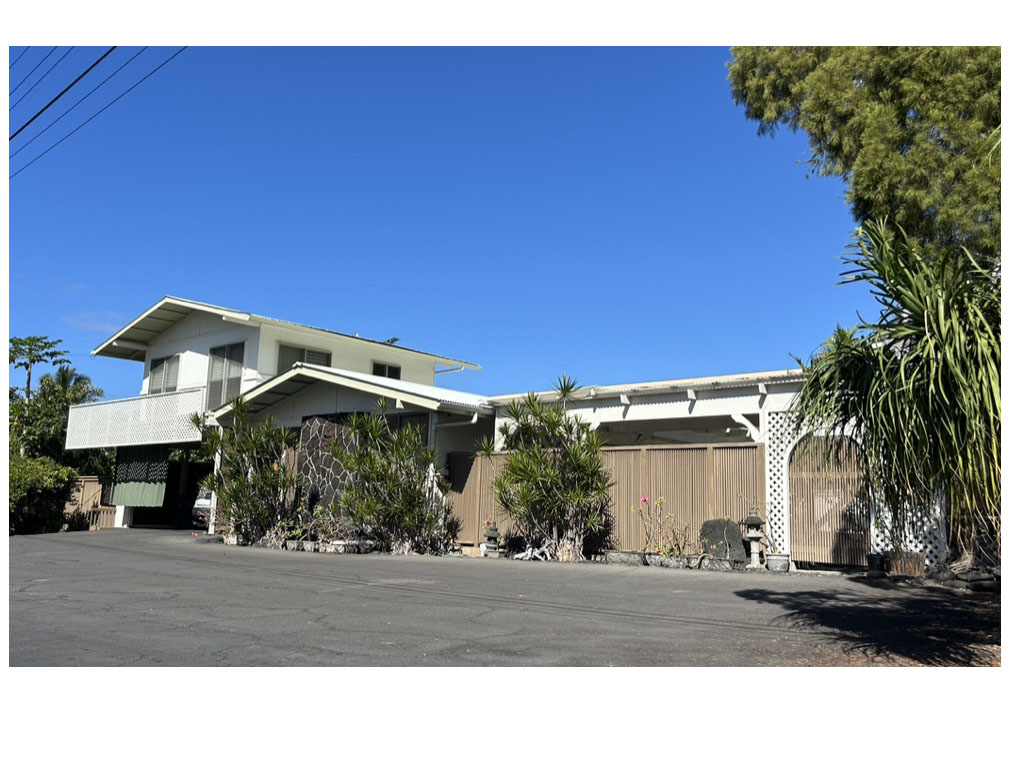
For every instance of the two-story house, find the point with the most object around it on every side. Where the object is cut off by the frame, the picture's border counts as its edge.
(197, 357)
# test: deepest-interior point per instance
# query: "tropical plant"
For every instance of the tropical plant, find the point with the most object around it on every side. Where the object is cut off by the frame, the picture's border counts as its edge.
(38, 427)
(553, 484)
(911, 129)
(39, 490)
(30, 351)
(254, 488)
(919, 388)
(394, 497)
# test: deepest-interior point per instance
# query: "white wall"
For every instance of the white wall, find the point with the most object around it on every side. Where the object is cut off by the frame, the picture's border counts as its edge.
(192, 337)
(319, 398)
(346, 353)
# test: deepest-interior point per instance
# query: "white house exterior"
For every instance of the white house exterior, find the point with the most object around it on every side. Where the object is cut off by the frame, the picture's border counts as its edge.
(196, 357)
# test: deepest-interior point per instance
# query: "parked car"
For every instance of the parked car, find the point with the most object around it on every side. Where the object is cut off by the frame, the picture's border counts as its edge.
(201, 509)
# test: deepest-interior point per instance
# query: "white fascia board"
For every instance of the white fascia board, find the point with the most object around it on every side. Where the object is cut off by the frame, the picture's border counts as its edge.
(226, 314)
(359, 340)
(782, 376)
(322, 376)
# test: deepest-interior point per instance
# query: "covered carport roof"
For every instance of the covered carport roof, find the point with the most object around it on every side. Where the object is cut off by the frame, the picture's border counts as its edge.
(303, 375)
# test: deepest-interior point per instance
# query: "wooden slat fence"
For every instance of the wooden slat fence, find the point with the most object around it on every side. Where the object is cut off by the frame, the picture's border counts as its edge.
(91, 497)
(698, 482)
(829, 503)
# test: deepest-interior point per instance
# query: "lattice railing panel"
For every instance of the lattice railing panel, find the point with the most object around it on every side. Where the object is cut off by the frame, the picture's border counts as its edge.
(142, 421)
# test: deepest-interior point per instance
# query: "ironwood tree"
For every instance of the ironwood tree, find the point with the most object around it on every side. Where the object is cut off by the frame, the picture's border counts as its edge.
(913, 131)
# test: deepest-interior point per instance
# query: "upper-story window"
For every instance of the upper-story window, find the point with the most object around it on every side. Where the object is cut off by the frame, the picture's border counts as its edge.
(288, 356)
(225, 378)
(163, 375)
(386, 369)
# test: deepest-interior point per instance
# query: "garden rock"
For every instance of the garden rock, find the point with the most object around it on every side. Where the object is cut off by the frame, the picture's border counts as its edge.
(624, 558)
(717, 564)
(723, 539)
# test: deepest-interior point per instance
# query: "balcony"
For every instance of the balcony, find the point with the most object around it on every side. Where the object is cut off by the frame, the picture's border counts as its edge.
(144, 421)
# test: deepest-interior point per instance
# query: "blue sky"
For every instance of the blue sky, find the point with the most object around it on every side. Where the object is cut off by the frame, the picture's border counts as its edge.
(606, 212)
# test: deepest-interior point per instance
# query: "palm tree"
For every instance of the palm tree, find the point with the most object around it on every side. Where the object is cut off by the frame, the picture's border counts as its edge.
(920, 387)
(75, 387)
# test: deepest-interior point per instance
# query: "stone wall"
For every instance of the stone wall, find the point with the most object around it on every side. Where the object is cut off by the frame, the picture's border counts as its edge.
(321, 476)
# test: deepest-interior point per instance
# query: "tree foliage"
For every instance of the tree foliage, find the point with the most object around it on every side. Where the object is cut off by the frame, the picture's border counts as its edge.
(554, 484)
(38, 427)
(39, 489)
(914, 131)
(254, 488)
(920, 387)
(31, 351)
(394, 497)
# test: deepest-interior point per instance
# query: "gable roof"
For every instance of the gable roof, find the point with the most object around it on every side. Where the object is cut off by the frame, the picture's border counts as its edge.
(302, 375)
(130, 342)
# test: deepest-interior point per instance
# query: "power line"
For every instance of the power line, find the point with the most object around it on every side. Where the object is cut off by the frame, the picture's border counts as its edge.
(104, 109)
(69, 50)
(24, 51)
(69, 87)
(96, 88)
(32, 70)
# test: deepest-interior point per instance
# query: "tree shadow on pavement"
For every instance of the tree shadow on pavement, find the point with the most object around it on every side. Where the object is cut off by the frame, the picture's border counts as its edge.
(926, 627)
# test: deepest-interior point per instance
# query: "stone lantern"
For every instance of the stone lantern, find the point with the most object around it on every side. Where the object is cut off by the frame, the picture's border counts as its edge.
(755, 533)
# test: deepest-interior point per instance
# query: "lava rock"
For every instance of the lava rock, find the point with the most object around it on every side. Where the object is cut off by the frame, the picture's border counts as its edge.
(625, 558)
(723, 539)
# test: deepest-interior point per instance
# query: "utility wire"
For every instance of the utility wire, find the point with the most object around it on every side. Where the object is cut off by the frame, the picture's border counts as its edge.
(32, 70)
(69, 87)
(96, 88)
(69, 50)
(104, 109)
(23, 52)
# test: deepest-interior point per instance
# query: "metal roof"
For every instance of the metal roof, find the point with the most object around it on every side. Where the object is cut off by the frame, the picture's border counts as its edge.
(302, 375)
(130, 342)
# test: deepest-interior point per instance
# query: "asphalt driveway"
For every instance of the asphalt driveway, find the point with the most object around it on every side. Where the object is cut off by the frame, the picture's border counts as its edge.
(137, 597)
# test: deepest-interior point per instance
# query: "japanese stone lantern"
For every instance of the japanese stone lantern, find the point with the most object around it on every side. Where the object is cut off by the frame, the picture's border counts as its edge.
(755, 533)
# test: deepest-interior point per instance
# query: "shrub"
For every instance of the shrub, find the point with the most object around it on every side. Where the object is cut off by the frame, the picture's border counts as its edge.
(39, 490)
(554, 484)
(395, 497)
(255, 490)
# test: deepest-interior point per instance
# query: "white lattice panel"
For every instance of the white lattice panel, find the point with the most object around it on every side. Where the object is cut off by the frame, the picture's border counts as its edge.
(142, 421)
(926, 533)
(779, 441)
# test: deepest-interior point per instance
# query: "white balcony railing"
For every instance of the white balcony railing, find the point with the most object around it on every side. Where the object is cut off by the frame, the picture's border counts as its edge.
(142, 421)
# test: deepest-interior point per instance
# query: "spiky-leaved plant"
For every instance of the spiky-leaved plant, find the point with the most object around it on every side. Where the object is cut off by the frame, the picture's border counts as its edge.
(394, 497)
(920, 387)
(554, 484)
(255, 490)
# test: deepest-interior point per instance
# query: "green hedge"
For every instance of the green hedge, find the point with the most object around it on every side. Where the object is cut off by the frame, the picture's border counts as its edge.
(39, 490)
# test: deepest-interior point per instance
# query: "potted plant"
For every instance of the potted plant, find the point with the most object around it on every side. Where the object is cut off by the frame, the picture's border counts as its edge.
(773, 558)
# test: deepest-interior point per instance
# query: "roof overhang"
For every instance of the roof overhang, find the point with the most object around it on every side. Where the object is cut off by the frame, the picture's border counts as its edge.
(759, 379)
(302, 376)
(130, 342)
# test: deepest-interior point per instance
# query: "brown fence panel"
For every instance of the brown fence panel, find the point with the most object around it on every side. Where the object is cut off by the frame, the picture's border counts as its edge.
(91, 497)
(698, 482)
(627, 471)
(828, 503)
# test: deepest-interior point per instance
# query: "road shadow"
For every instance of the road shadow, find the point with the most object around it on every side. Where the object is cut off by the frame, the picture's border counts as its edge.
(924, 626)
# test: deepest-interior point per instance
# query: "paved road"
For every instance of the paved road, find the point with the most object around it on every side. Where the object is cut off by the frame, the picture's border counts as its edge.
(136, 597)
